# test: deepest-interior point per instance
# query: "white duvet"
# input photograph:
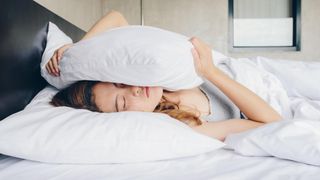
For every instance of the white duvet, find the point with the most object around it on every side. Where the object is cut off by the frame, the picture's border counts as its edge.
(293, 89)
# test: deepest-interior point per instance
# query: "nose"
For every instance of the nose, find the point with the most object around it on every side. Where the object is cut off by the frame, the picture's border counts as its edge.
(137, 91)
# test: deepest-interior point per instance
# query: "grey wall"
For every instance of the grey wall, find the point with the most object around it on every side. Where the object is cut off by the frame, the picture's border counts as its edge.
(262, 8)
(208, 19)
(82, 13)
(130, 8)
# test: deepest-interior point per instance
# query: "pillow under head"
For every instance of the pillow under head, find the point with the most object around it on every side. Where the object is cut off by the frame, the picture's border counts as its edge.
(50, 134)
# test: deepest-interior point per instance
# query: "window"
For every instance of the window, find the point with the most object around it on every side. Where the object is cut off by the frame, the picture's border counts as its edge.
(264, 25)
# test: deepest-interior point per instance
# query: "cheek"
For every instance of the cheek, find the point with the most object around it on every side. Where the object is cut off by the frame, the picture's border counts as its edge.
(156, 93)
(138, 104)
(155, 97)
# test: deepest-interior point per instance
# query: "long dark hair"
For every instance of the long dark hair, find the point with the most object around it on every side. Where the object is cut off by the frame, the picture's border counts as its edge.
(79, 95)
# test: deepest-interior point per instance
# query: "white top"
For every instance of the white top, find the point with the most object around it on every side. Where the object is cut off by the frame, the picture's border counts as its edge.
(221, 107)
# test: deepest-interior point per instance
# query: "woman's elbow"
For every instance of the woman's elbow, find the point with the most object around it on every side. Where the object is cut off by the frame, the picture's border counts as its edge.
(271, 118)
(276, 117)
(113, 12)
(121, 20)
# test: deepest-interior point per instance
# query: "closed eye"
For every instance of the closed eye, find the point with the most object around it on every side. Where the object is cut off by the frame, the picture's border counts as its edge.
(124, 99)
(119, 85)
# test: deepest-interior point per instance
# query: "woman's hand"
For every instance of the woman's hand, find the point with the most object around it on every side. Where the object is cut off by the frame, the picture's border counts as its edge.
(253, 106)
(52, 65)
(202, 56)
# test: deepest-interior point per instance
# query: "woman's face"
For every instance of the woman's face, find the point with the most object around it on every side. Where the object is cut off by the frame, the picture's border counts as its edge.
(116, 97)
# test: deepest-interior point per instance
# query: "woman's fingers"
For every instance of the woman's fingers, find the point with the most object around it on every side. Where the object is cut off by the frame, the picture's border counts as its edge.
(55, 64)
(195, 54)
(195, 43)
(48, 69)
(59, 54)
(202, 55)
(197, 61)
(198, 45)
(62, 49)
(50, 65)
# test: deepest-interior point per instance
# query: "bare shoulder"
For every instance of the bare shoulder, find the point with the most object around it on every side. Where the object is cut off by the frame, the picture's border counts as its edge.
(221, 129)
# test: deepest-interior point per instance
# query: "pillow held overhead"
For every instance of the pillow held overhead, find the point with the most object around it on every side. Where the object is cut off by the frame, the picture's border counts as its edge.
(133, 55)
(55, 39)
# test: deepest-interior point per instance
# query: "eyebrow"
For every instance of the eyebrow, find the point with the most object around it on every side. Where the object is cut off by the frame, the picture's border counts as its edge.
(117, 104)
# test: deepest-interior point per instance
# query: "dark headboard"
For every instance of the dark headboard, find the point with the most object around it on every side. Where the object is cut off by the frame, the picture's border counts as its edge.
(23, 28)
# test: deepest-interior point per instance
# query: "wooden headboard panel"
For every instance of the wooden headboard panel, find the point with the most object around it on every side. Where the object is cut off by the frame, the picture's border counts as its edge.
(23, 28)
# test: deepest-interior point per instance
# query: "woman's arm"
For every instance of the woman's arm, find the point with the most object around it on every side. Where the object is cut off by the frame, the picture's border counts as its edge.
(111, 20)
(254, 107)
(221, 129)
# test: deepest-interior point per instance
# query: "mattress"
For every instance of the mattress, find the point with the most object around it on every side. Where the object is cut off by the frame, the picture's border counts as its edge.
(218, 164)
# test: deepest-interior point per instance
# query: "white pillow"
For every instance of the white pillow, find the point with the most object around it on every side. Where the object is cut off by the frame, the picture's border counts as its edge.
(133, 55)
(55, 39)
(294, 139)
(45, 133)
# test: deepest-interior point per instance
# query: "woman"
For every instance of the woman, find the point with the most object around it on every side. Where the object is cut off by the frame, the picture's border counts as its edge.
(220, 98)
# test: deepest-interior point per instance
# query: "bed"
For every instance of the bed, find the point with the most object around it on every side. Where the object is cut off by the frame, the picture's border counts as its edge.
(23, 42)
(221, 164)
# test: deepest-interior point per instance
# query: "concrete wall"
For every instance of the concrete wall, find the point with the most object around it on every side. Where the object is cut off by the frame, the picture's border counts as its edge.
(207, 19)
(129, 8)
(310, 36)
(262, 8)
(82, 13)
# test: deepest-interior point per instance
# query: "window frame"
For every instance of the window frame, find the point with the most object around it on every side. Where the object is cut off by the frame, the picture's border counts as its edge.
(296, 15)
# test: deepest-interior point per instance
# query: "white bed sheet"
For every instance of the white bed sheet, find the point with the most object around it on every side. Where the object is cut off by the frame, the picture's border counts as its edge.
(221, 164)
